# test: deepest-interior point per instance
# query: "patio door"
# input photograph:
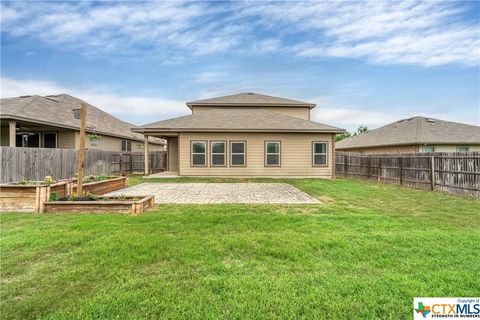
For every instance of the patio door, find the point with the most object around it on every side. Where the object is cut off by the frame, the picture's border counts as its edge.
(172, 153)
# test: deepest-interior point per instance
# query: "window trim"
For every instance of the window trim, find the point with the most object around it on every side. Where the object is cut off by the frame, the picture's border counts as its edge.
(224, 153)
(458, 148)
(56, 139)
(314, 154)
(244, 153)
(205, 154)
(127, 145)
(265, 154)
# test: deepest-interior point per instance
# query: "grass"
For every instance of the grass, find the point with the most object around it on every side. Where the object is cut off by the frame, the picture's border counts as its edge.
(364, 253)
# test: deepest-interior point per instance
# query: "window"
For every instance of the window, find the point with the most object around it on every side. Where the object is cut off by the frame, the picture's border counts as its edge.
(237, 153)
(463, 149)
(199, 153)
(49, 140)
(126, 145)
(218, 152)
(272, 154)
(319, 153)
(28, 139)
(429, 149)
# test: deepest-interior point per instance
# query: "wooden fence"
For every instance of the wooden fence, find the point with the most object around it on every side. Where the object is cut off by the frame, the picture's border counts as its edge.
(35, 163)
(457, 173)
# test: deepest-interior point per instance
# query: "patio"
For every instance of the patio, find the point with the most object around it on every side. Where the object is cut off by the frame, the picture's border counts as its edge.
(216, 193)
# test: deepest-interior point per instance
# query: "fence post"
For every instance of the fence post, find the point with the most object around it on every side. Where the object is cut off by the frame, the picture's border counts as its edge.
(121, 163)
(432, 172)
(379, 169)
(400, 165)
(345, 165)
(152, 161)
(131, 163)
(368, 167)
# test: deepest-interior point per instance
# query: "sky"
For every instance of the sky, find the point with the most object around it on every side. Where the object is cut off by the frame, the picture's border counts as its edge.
(365, 63)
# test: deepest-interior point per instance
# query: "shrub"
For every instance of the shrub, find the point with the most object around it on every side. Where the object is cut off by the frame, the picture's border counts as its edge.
(53, 196)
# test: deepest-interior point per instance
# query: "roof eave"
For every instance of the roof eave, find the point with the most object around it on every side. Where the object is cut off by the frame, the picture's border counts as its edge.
(306, 105)
(46, 123)
(152, 130)
(405, 144)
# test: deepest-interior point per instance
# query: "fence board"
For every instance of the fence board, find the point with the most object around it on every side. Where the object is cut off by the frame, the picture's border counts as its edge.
(36, 163)
(457, 173)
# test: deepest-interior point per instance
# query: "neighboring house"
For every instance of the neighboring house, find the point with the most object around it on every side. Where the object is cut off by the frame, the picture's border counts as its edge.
(247, 134)
(416, 134)
(49, 122)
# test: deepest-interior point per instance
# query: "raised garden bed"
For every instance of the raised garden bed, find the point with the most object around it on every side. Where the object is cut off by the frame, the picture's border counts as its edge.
(106, 185)
(30, 196)
(133, 205)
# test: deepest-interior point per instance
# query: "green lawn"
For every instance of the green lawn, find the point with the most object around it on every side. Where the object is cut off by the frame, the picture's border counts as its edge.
(364, 253)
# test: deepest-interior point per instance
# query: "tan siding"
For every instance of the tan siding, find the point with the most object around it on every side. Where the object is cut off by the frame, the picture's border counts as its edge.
(4, 137)
(115, 144)
(387, 149)
(296, 155)
(66, 140)
(297, 112)
(410, 149)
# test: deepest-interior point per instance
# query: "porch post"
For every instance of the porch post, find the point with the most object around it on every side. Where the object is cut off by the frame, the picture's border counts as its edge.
(12, 133)
(145, 148)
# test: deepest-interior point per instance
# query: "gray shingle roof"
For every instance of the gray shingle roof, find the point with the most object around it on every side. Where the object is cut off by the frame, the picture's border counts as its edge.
(416, 130)
(57, 111)
(250, 99)
(231, 120)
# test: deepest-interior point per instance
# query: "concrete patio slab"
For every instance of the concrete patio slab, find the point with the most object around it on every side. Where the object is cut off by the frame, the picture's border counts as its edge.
(205, 193)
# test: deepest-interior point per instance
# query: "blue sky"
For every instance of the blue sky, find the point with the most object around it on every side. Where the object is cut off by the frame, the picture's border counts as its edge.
(361, 62)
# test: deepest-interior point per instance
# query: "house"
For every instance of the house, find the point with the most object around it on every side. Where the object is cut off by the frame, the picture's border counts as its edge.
(247, 134)
(417, 134)
(49, 122)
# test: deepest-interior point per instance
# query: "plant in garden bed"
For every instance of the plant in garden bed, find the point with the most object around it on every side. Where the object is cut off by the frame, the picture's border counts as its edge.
(53, 197)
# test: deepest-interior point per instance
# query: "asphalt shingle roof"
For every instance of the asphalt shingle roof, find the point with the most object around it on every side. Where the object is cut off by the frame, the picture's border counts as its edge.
(231, 119)
(57, 111)
(250, 99)
(416, 130)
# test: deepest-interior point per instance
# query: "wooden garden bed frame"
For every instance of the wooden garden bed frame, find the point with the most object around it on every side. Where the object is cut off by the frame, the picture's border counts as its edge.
(18, 197)
(24, 197)
(104, 186)
(113, 205)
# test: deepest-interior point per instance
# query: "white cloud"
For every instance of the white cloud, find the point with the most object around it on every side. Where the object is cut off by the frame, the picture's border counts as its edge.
(423, 33)
(137, 109)
(386, 32)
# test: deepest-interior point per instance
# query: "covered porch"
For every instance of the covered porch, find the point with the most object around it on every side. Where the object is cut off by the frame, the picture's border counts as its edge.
(172, 163)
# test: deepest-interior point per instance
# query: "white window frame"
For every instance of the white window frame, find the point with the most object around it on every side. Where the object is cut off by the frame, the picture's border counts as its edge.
(126, 144)
(216, 153)
(458, 148)
(244, 153)
(204, 154)
(266, 154)
(433, 148)
(320, 153)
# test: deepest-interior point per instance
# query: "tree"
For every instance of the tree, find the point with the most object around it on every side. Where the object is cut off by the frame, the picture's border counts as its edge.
(361, 129)
(344, 135)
